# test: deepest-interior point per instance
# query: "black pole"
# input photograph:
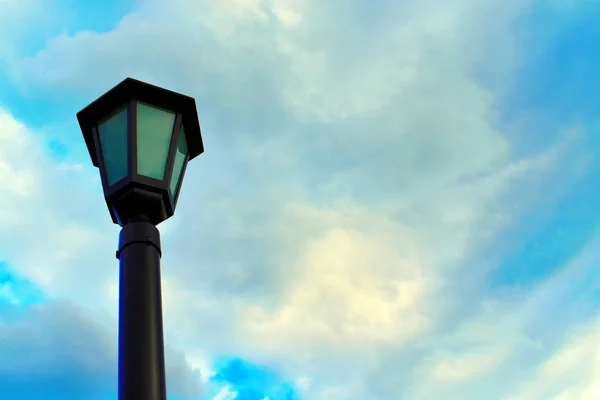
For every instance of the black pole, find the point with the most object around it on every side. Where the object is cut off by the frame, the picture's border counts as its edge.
(141, 347)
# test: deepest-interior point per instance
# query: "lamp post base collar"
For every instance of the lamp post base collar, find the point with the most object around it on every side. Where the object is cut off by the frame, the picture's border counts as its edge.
(139, 231)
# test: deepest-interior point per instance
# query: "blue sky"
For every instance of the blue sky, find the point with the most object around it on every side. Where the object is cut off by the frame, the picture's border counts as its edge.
(397, 199)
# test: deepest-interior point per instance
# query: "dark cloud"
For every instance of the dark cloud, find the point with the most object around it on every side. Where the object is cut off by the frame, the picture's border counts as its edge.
(58, 350)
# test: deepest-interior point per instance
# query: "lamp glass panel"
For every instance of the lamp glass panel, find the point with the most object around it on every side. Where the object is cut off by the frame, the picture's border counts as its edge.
(113, 143)
(154, 131)
(181, 158)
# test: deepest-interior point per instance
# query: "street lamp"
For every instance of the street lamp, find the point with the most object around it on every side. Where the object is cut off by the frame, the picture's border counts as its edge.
(141, 137)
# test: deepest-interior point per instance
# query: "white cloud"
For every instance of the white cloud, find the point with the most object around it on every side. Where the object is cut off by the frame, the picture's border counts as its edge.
(48, 205)
(467, 367)
(568, 369)
(18, 181)
(12, 10)
(354, 174)
(225, 394)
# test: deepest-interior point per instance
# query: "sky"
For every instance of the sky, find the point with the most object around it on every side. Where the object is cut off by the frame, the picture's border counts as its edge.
(397, 200)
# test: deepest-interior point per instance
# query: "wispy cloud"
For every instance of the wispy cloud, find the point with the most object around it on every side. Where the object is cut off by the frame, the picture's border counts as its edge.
(396, 200)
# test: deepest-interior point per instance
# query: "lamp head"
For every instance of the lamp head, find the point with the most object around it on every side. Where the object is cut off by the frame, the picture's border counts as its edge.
(141, 137)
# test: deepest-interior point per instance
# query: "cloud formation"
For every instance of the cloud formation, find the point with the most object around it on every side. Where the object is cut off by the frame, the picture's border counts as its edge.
(364, 180)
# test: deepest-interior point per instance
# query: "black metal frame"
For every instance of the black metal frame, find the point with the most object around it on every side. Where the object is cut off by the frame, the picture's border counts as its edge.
(178, 187)
(137, 194)
(171, 158)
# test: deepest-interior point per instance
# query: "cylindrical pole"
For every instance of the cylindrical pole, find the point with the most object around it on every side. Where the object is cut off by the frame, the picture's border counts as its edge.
(141, 347)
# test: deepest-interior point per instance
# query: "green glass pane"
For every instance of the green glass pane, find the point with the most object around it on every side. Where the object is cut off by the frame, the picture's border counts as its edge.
(181, 158)
(113, 142)
(154, 130)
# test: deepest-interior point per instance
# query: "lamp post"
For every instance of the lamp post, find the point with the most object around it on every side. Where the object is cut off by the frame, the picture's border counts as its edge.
(141, 137)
